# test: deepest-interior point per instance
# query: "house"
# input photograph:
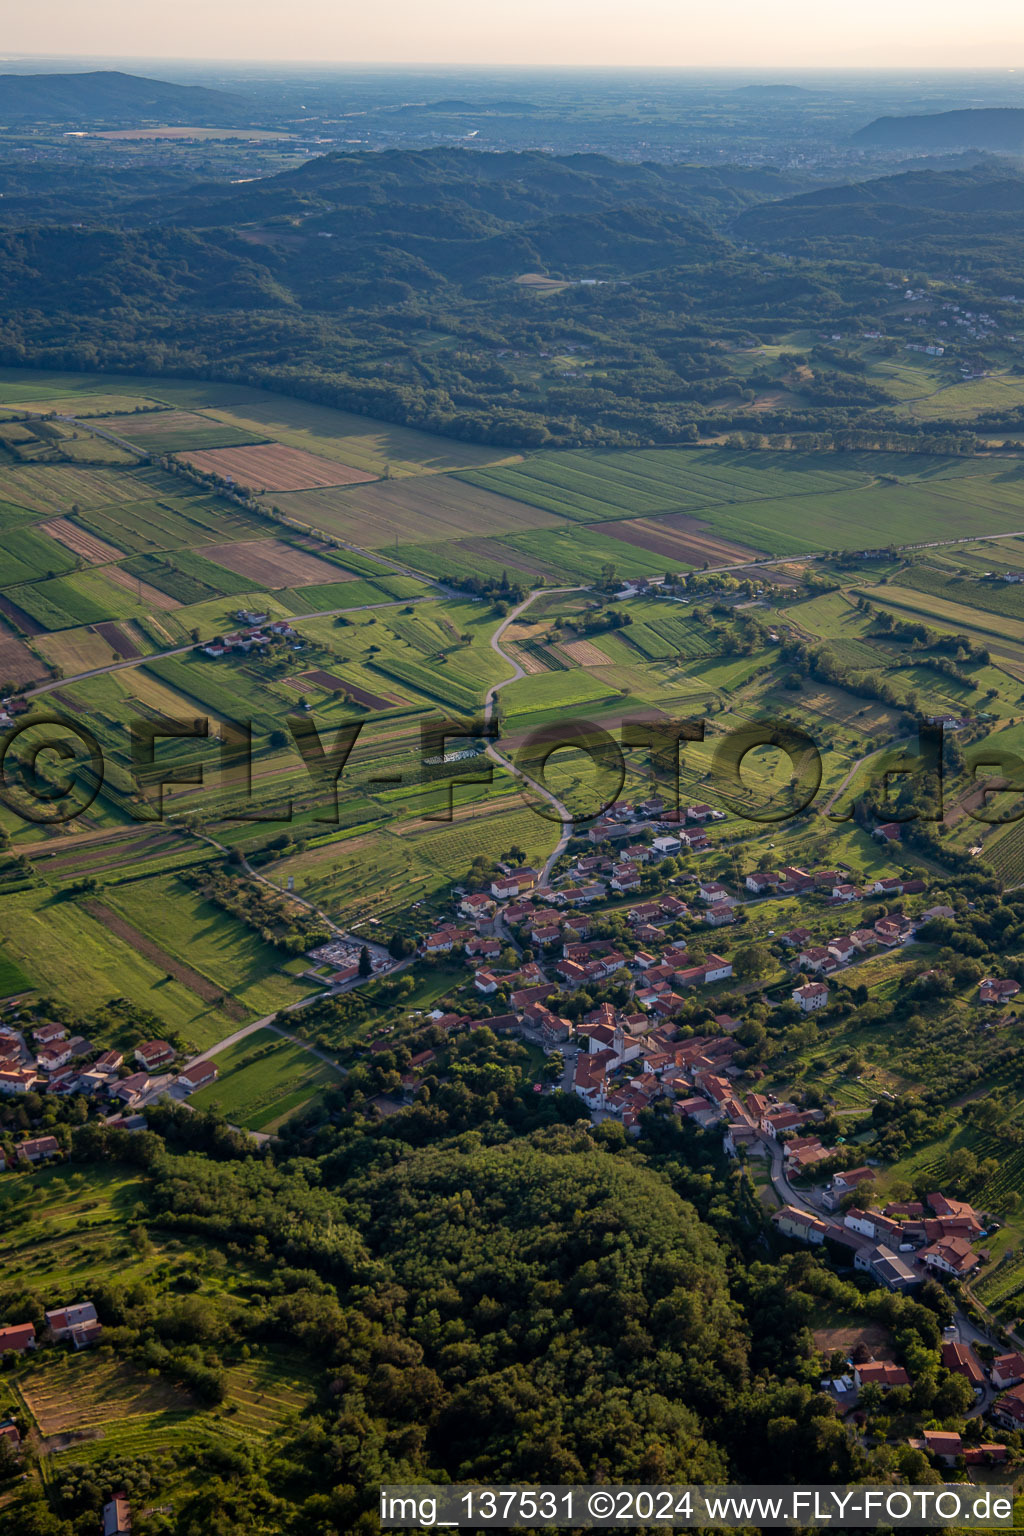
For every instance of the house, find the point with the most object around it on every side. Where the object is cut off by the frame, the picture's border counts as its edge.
(17, 1338)
(962, 1359)
(1009, 1409)
(486, 982)
(109, 1061)
(720, 914)
(863, 939)
(130, 1089)
(17, 1079)
(117, 1517)
(842, 949)
(880, 1373)
(800, 1225)
(951, 1256)
(9, 1432)
(739, 1134)
(199, 1075)
(994, 990)
(696, 1110)
(78, 1323)
(796, 938)
(843, 1183)
(1007, 1370)
(513, 883)
(35, 1150)
(477, 904)
(154, 1053)
(761, 881)
(810, 997)
(490, 949)
(711, 892)
(702, 813)
(665, 847)
(625, 877)
(888, 832)
(944, 1444)
(802, 1152)
(48, 1034)
(814, 957)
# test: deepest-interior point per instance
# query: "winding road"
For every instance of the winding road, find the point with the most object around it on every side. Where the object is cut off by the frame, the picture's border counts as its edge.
(490, 699)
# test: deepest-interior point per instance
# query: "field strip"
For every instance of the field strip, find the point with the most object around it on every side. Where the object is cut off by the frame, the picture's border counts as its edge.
(203, 988)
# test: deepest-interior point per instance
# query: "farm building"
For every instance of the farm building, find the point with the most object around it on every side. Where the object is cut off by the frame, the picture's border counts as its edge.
(35, 1150)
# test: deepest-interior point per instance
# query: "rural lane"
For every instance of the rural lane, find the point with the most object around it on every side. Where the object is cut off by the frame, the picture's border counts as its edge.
(490, 698)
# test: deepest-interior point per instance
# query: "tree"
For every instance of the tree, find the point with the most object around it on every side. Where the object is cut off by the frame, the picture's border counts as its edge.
(365, 963)
(751, 961)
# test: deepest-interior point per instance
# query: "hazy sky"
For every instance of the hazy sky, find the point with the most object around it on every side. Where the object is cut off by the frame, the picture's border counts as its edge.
(748, 33)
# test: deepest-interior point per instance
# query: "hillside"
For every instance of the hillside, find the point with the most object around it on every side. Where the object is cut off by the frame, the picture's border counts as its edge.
(112, 98)
(996, 128)
(909, 217)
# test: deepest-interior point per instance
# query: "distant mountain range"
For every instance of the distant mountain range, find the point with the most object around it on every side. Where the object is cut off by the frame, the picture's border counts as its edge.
(994, 128)
(110, 98)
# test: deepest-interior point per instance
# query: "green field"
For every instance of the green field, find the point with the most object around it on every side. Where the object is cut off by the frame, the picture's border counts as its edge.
(588, 486)
(374, 446)
(264, 1079)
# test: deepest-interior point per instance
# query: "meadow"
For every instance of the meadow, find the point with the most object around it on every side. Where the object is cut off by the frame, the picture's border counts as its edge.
(264, 1079)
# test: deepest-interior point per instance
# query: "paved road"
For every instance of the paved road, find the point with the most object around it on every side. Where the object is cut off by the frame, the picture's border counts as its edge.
(490, 699)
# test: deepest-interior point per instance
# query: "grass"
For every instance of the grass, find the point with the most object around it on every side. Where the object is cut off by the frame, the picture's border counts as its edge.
(374, 446)
(73, 957)
(209, 940)
(12, 978)
(588, 486)
(262, 1080)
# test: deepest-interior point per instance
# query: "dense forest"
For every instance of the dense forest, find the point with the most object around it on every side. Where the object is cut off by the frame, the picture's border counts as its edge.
(389, 284)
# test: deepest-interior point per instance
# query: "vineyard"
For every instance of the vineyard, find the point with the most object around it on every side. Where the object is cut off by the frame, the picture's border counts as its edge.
(1005, 852)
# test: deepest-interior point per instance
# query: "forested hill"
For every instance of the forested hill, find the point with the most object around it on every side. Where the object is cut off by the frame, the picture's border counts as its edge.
(512, 188)
(913, 217)
(996, 128)
(110, 97)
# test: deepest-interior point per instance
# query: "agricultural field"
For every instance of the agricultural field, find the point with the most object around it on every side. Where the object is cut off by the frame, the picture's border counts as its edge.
(70, 954)
(424, 509)
(679, 539)
(272, 467)
(18, 665)
(375, 447)
(211, 952)
(264, 1079)
(171, 517)
(85, 545)
(273, 563)
(952, 586)
(594, 487)
(968, 398)
(55, 489)
(167, 431)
